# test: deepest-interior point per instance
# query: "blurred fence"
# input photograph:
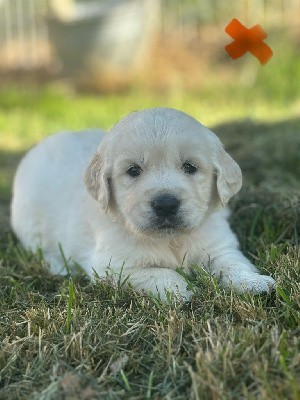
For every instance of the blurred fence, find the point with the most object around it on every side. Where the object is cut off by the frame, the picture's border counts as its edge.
(23, 34)
(24, 41)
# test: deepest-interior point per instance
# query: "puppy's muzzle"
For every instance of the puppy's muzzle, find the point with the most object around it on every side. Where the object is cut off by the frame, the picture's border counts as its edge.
(165, 206)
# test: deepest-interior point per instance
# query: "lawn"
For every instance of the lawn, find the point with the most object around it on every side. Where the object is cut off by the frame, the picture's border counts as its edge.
(68, 338)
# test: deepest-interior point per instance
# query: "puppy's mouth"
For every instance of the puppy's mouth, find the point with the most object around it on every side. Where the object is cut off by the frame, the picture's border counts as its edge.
(168, 225)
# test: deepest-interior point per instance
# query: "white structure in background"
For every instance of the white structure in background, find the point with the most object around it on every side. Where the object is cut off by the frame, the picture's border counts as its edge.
(23, 34)
(94, 36)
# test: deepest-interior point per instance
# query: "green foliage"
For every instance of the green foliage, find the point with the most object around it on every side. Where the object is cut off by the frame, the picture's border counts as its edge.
(70, 305)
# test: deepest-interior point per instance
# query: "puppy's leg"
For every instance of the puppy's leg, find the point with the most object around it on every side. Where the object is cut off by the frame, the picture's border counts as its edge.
(158, 281)
(234, 270)
(55, 263)
(223, 259)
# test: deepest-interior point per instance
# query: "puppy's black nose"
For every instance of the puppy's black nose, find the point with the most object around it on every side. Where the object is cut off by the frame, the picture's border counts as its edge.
(165, 205)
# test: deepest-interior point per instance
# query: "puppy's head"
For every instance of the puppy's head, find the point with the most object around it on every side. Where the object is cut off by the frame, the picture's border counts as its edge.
(161, 172)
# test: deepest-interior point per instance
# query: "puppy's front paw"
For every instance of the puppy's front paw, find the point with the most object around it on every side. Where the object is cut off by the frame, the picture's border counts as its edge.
(160, 282)
(246, 281)
(177, 288)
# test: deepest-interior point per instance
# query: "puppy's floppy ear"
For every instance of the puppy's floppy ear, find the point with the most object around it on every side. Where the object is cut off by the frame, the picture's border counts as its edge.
(228, 175)
(96, 178)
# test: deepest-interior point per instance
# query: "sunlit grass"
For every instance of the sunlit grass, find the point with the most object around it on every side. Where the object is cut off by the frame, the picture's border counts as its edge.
(26, 117)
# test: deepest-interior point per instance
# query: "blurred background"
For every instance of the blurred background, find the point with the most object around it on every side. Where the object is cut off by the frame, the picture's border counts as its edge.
(76, 64)
(110, 45)
(157, 47)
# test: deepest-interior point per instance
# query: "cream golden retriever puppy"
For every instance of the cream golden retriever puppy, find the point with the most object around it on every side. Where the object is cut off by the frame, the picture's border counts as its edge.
(142, 200)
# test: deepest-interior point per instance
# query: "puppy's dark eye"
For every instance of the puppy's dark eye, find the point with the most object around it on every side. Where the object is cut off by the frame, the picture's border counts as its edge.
(189, 168)
(134, 171)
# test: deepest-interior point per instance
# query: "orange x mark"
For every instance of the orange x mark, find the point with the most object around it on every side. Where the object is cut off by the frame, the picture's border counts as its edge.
(247, 40)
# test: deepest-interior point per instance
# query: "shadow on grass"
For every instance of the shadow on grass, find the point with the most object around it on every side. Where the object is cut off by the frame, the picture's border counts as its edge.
(268, 206)
(8, 164)
(264, 149)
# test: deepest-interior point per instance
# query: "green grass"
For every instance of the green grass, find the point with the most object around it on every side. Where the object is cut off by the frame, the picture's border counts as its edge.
(69, 338)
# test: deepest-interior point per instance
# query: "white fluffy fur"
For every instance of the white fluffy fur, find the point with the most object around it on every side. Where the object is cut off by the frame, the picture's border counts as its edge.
(70, 192)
